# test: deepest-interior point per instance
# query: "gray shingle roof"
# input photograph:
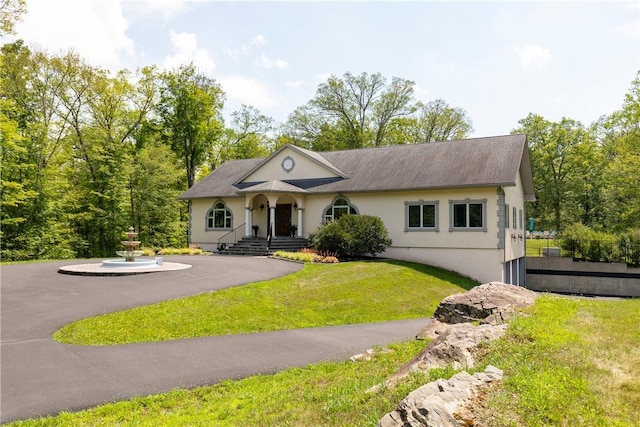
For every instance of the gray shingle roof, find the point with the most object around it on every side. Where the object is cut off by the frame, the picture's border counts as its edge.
(475, 162)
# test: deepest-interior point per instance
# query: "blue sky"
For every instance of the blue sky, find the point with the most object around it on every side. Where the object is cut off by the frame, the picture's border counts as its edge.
(498, 60)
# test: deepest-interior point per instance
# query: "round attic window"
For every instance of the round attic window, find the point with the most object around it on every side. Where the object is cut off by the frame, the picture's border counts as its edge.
(288, 164)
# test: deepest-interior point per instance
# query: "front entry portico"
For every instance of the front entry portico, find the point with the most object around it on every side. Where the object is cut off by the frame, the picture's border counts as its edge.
(276, 208)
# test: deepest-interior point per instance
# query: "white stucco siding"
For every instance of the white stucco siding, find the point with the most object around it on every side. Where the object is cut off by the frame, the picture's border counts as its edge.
(208, 239)
(303, 168)
(483, 265)
(515, 248)
(390, 207)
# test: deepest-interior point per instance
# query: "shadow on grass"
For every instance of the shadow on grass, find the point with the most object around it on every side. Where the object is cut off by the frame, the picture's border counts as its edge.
(437, 272)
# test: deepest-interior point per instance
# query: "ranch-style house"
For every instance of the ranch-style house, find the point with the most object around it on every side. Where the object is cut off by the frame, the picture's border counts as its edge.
(455, 204)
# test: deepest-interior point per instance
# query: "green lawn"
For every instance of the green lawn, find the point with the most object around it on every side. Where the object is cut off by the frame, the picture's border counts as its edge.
(571, 362)
(568, 362)
(534, 246)
(318, 295)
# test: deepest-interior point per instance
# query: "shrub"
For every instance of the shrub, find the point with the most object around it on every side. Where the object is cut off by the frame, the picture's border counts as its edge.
(352, 236)
(584, 243)
(295, 256)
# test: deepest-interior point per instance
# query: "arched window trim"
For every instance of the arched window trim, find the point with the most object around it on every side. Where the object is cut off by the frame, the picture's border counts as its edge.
(219, 215)
(352, 209)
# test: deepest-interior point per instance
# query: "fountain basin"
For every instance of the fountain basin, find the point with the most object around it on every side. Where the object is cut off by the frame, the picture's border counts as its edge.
(110, 263)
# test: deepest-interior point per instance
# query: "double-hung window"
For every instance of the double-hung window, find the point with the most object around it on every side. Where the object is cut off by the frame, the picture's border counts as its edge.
(468, 215)
(421, 216)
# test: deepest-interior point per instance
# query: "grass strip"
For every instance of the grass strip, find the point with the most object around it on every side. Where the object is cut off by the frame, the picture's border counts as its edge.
(317, 295)
(571, 361)
(325, 394)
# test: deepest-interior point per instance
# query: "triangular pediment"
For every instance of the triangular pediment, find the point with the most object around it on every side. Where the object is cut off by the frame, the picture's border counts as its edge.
(291, 163)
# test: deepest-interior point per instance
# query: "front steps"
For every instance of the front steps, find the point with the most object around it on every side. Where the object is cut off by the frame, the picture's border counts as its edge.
(259, 246)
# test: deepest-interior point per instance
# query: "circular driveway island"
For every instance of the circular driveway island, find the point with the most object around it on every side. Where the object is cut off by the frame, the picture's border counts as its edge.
(40, 376)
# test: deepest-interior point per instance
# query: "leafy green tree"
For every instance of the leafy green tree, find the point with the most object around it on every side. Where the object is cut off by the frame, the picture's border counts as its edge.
(307, 129)
(365, 111)
(153, 178)
(362, 106)
(248, 137)
(103, 113)
(619, 136)
(190, 109)
(11, 11)
(566, 171)
(433, 121)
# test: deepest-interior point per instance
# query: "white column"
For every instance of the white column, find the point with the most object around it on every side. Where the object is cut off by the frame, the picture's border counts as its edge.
(272, 224)
(299, 234)
(247, 221)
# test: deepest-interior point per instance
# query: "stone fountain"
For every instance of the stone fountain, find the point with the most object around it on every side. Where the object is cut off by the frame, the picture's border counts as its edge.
(128, 265)
(130, 254)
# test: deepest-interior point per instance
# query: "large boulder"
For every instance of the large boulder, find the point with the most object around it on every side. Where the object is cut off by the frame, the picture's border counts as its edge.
(441, 403)
(455, 339)
(493, 303)
(456, 346)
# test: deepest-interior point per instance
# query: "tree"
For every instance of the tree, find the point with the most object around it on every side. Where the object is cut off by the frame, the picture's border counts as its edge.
(190, 109)
(248, 137)
(305, 128)
(619, 136)
(365, 111)
(28, 86)
(433, 121)
(153, 177)
(362, 106)
(11, 11)
(566, 171)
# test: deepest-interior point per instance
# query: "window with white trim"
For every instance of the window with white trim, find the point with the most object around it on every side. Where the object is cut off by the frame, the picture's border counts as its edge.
(340, 206)
(515, 218)
(219, 217)
(467, 215)
(421, 216)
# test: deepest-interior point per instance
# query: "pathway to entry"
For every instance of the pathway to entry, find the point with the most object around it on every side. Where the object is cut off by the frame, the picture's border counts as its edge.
(39, 376)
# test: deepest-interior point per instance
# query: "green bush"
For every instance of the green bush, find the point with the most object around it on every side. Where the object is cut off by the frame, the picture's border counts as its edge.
(630, 244)
(352, 236)
(584, 243)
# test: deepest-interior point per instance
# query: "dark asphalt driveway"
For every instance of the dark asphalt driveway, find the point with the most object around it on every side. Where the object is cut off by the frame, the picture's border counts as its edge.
(39, 376)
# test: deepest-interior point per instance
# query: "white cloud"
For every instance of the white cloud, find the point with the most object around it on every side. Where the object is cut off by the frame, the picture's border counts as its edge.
(185, 50)
(533, 55)
(267, 63)
(243, 90)
(259, 40)
(96, 29)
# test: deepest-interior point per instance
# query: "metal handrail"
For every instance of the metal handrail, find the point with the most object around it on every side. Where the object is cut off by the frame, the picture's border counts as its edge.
(231, 238)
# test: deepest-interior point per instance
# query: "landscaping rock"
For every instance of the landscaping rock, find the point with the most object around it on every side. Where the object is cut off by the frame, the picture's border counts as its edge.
(455, 342)
(455, 346)
(441, 403)
(494, 301)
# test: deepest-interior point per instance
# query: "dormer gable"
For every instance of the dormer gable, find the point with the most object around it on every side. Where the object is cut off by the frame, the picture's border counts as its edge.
(291, 163)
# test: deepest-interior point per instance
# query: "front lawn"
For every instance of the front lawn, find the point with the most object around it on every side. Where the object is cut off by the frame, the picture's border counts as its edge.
(317, 295)
(568, 362)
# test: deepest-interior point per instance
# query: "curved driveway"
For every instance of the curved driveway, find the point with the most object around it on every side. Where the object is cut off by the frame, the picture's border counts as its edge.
(39, 376)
